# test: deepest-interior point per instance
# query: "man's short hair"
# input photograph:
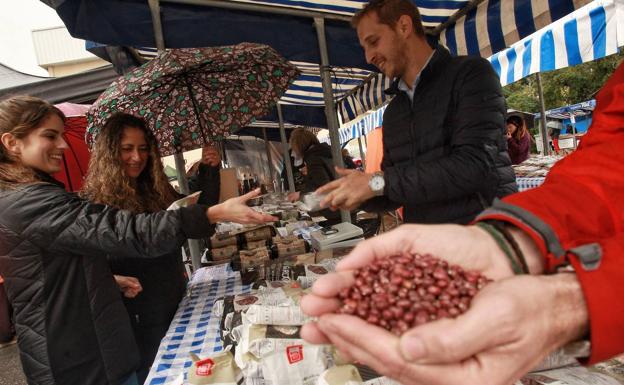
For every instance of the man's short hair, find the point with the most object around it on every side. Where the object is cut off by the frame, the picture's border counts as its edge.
(389, 12)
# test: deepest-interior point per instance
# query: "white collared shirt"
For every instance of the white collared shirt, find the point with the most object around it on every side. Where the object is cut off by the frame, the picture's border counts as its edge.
(410, 91)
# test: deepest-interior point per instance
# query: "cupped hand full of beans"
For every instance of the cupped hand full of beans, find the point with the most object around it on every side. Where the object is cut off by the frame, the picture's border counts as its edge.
(400, 292)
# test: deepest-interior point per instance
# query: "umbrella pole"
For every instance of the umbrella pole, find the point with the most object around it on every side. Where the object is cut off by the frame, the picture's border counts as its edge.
(179, 159)
(289, 171)
(330, 108)
(268, 152)
(540, 92)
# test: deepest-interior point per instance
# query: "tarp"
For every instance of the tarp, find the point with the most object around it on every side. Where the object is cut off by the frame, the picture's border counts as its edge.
(565, 112)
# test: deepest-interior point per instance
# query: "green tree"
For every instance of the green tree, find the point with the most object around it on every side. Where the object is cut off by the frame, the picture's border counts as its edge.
(562, 87)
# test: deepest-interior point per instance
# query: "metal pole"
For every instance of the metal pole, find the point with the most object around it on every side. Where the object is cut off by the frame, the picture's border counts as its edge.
(330, 108)
(573, 125)
(289, 171)
(540, 92)
(268, 152)
(178, 157)
(362, 152)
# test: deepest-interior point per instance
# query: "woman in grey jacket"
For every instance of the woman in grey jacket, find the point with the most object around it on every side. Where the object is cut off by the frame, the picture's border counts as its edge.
(71, 325)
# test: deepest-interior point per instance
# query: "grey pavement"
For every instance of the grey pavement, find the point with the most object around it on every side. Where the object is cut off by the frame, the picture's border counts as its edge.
(10, 366)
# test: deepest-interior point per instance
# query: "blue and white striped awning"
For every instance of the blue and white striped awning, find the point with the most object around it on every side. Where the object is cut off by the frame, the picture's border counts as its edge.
(586, 34)
(367, 97)
(432, 12)
(495, 25)
(360, 126)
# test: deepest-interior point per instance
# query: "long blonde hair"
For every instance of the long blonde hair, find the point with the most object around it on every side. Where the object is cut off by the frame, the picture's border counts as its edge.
(19, 116)
(301, 139)
(107, 182)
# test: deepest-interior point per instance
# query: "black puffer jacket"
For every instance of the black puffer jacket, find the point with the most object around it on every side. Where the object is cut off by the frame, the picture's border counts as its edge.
(163, 281)
(71, 325)
(445, 154)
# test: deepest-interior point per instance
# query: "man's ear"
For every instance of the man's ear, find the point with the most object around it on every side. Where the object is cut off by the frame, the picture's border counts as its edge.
(405, 25)
(10, 142)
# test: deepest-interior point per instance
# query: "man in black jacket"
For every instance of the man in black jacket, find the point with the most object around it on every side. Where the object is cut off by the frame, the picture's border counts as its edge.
(445, 153)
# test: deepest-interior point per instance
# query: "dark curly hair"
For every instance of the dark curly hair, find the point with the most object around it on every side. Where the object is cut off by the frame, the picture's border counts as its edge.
(106, 181)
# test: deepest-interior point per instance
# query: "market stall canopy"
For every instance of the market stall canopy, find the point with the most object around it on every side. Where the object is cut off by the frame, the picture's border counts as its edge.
(473, 27)
(589, 33)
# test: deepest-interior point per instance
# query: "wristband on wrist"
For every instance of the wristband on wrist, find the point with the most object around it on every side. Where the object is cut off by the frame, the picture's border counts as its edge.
(502, 228)
(508, 246)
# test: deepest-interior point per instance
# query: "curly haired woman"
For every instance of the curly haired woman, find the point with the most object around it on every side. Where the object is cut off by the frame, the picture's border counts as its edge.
(125, 172)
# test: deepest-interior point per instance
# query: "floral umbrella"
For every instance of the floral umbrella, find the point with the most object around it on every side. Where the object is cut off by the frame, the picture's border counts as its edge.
(194, 96)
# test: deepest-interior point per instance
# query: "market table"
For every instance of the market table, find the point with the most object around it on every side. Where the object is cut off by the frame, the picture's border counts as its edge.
(194, 329)
(529, 183)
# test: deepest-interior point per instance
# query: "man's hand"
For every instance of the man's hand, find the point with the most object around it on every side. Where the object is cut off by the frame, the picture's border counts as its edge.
(129, 286)
(236, 210)
(511, 326)
(347, 192)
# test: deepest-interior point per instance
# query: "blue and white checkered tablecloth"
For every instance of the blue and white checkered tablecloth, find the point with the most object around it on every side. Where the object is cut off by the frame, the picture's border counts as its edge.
(194, 329)
(529, 183)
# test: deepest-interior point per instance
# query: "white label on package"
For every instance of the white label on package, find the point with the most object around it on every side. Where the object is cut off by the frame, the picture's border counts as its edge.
(275, 315)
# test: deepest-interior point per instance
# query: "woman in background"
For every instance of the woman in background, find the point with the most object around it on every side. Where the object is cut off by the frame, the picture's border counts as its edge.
(317, 159)
(518, 139)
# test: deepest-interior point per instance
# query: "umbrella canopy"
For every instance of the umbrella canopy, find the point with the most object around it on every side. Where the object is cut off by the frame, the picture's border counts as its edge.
(193, 96)
(76, 158)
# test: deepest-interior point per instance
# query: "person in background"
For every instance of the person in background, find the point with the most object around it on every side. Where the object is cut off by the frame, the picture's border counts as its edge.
(518, 139)
(348, 160)
(554, 132)
(205, 176)
(569, 129)
(444, 147)
(125, 172)
(570, 231)
(297, 170)
(72, 328)
(318, 163)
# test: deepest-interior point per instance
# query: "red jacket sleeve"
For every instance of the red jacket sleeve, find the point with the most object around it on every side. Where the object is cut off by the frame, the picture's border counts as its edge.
(577, 216)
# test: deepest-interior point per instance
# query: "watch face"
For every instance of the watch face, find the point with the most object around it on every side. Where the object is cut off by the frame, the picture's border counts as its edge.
(377, 183)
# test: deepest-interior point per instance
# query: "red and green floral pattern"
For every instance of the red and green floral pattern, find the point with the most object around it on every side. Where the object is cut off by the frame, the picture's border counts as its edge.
(193, 96)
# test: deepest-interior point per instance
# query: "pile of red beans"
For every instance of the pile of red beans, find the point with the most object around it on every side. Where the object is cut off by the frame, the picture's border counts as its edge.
(401, 292)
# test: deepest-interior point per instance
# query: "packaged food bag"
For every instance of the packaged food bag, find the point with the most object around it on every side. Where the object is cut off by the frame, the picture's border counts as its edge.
(219, 369)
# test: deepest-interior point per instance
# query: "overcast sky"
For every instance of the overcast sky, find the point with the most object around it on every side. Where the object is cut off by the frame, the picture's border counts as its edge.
(17, 20)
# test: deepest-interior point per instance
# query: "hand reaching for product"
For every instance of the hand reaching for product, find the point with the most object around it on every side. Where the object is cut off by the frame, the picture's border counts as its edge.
(236, 210)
